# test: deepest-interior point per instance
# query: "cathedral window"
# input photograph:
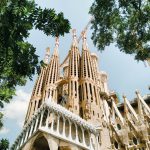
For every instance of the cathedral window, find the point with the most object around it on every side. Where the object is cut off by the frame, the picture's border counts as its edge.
(95, 94)
(81, 112)
(80, 93)
(73, 131)
(88, 67)
(99, 139)
(86, 90)
(116, 145)
(87, 137)
(80, 134)
(75, 86)
(39, 104)
(44, 118)
(30, 107)
(135, 141)
(52, 93)
(67, 128)
(34, 105)
(61, 125)
(93, 113)
(119, 126)
(91, 91)
(71, 87)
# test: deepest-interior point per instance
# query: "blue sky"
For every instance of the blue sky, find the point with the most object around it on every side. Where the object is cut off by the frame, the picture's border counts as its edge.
(125, 75)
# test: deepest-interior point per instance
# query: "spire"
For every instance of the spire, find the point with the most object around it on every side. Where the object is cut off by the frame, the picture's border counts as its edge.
(75, 42)
(116, 111)
(140, 108)
(84, 45)
(146, 107)
(128, 107)
(47, 54)
(56, 46)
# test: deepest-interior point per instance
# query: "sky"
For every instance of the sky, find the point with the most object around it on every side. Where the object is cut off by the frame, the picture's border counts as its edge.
(125, 75)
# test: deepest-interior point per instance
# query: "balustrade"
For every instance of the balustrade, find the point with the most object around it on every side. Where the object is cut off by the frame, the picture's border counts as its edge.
(68, 127)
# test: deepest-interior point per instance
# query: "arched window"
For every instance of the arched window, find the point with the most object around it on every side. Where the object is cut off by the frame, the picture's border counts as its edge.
(41, 144)
(119, 126)
(80, 134)
(44, 117)
(116, 145)
(135, 141)
(67, 128)
(73, 131)
(81, 112)
(87, 137)
(61, 125)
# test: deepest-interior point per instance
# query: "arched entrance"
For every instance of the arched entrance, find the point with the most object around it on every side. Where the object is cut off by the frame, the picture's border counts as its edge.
(41, 144)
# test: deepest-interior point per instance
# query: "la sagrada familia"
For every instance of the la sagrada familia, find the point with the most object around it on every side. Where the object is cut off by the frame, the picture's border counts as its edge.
(75, 110)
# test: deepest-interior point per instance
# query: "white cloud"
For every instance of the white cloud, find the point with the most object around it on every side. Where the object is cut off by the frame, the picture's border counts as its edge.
(17, 108)
(4, 130)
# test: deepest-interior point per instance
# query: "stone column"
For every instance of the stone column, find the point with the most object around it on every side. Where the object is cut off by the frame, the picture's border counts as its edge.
(31, 128)
(83, 136)
(52, 124)
(70, 130)
(22, 139)
(37, 120)
(28, 129)
(77, 138)
(18, 143)
(64, 124)
(47, 119)
(36, 106)
(58, 117)
(91, 146)
(42, 113)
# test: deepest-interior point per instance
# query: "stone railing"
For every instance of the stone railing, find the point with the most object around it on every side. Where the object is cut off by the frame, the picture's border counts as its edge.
(60, 123)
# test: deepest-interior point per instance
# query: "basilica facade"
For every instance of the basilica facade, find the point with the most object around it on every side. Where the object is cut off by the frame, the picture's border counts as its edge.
(72, 108)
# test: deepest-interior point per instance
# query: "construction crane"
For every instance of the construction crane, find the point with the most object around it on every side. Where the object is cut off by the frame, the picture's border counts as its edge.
(84, 30)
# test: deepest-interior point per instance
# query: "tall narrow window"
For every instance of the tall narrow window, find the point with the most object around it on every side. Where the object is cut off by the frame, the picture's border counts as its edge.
(34, 105)
(95, 95)
(39, 104)
(75, 88)
(86, 90)
(80, 94)
(81, 112)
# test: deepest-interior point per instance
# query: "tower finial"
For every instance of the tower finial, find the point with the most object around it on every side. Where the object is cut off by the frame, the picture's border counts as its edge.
(84, 45)
(47, 54)
(74, 33)
(56, 46)
(57, 41)
(74, 37)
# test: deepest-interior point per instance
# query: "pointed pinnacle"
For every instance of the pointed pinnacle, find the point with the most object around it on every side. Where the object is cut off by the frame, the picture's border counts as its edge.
(56, 46)
(84, 45)
(74, 37)
(124, 96)
(74, 33)
(47, 54)
(137, 92)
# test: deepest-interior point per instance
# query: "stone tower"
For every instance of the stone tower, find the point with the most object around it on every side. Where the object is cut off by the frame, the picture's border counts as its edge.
(75, 110)
(36, 97)
(73, 76)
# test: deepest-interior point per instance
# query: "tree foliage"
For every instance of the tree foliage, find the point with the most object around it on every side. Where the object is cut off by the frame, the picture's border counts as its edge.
(18, 60)
(126, 22)
(4, 144)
